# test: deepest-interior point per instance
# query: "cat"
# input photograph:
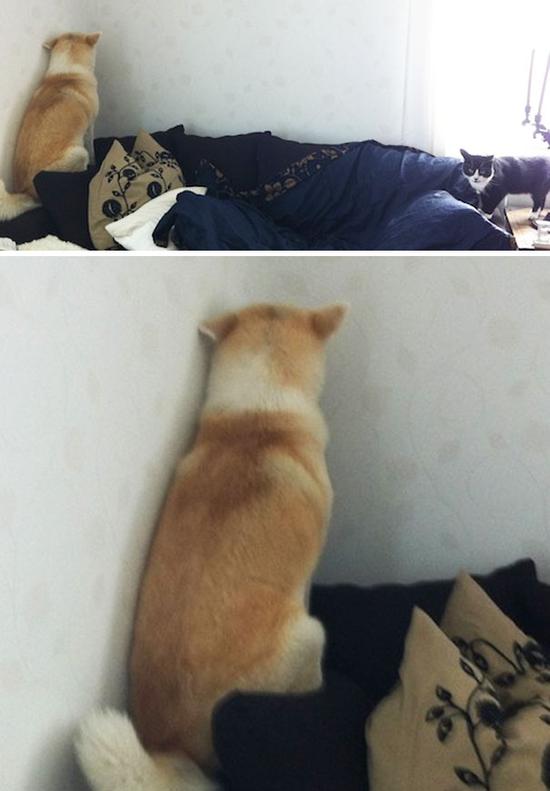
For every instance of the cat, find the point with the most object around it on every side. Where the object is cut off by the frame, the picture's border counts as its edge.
(60, 113)
(493, 178)
(222, 601)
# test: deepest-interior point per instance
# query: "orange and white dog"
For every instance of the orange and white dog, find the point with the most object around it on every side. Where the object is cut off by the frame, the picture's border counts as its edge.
(222, 603)
(62, 110)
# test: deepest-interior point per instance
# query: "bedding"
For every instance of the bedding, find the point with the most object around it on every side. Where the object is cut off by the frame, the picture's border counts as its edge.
(268, 193)
(366, 627)
(513, 662)
(65, 197)
(310, 742)
(135, 231)
(33, 224)
(257, 738)
(275, 154)
(472, 711)
(372, 197)
(167, 139)
(126, 181)
(210, 223)
(234, 155)
(49, 242)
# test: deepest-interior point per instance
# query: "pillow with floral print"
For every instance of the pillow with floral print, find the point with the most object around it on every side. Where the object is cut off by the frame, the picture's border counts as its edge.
(126, 181)
(443, 728)
(515, 663)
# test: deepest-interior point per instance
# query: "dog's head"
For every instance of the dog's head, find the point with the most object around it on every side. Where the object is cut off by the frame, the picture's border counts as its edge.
(271, 348)
(74, 49)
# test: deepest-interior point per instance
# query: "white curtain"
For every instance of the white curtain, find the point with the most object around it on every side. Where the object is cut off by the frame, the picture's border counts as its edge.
(467, 68)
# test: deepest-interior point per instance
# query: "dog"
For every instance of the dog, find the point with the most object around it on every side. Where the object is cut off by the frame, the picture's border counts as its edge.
(222, 602)
(61, 111)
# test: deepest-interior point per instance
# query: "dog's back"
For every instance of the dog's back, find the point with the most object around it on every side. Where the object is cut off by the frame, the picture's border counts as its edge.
(221, 605)
(222, 601)
(61, 110)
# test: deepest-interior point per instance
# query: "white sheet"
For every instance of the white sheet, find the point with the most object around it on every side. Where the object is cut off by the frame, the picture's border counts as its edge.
(135, 232)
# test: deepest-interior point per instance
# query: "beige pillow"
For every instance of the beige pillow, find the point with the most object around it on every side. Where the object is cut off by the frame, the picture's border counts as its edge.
(419, 737)
(127, 181)
(515, 663)
(444, 726)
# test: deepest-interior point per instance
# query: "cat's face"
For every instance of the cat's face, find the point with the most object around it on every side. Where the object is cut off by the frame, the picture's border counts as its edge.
(478, 170)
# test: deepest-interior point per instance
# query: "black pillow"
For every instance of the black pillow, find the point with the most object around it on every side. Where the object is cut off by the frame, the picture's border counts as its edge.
(65, 197)
(366, 627)
(276, 154)
(34, 224)
(167, 139)
(235, 155)
(313, 742)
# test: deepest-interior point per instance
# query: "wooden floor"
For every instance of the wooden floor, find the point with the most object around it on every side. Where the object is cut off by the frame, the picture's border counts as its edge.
(523, 231)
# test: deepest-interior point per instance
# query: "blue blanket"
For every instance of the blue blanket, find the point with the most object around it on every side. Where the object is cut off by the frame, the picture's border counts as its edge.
(374, 197)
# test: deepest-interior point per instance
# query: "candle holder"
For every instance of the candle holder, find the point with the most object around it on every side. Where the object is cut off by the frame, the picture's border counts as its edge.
(539, 128)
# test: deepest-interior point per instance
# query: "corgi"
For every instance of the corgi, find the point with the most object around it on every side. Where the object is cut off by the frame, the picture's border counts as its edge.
(222, 601)
(62, 109)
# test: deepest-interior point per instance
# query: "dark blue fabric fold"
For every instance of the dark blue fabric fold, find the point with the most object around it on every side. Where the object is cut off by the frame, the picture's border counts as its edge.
(374, 197)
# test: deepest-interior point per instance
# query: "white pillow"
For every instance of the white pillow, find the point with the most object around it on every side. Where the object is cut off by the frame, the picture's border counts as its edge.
(135, 232)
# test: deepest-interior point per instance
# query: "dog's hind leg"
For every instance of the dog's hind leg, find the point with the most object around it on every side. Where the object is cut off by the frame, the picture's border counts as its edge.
(75, 159)
(297, 666)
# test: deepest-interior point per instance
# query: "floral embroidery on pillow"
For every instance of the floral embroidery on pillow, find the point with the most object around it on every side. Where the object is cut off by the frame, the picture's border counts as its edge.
(482, 712)
(529, 659)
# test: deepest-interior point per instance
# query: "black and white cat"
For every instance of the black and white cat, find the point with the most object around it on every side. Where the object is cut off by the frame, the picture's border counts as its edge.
(493, 178)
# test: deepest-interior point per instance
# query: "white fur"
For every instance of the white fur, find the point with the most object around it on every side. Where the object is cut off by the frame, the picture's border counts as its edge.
(113, 759)
(478, 182)
(12, 205)
(61, 62)
(304, 651)
(245, 384)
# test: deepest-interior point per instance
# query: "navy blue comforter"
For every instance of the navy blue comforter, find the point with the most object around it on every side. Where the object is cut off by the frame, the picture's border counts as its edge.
(373, 197)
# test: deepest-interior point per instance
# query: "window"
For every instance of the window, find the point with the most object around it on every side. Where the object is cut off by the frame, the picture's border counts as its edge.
(481, 52)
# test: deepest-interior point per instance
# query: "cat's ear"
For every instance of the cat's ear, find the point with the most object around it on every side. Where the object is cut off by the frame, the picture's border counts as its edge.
(92, 39)
(50, 43)
(325, 321)
(464, 153)
(219, 328)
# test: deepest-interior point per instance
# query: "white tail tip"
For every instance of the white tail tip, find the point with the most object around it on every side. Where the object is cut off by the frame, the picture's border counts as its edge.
(113, 759)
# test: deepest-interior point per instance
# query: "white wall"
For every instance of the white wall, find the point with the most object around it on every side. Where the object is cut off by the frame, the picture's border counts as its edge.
(324, 71)
(437, 399)
(25, 26)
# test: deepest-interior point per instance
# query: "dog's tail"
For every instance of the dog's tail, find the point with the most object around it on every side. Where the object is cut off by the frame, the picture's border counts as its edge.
(113, 759)
(13, 204)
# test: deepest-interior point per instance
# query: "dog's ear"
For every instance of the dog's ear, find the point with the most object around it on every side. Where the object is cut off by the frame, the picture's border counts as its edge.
(219, 328)
(92, 39)
(325, 321)
(50, 43)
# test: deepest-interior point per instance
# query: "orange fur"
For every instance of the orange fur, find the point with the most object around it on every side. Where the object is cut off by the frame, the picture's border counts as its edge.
(61, 110)
(221, 605)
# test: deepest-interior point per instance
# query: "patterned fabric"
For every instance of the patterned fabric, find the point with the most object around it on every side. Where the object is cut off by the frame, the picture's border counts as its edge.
(299, 171)
(514, 663)
(472, 711)
(310, 165)
(127, 181)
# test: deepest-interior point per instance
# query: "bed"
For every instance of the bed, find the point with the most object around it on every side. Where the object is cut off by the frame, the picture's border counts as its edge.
(267, 193)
